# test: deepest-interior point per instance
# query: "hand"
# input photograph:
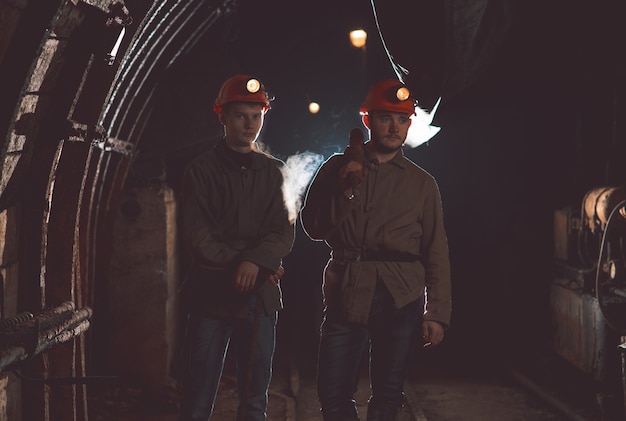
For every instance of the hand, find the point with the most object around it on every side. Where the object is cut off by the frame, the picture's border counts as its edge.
(432, 333)
(351, 175)
(245, 276)
(275, 277)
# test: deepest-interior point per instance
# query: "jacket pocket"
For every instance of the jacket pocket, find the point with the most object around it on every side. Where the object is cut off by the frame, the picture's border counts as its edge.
(403, 239)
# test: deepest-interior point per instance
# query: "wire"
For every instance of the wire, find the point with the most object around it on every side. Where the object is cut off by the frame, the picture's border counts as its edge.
(601, 253)
(398, 69)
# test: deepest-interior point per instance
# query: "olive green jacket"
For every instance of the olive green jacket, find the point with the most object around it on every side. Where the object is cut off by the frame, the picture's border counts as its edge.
(232, 214)
(392, 231)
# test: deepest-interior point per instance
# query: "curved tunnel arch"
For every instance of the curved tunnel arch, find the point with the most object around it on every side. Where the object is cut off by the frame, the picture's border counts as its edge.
(66, 158)
(57, 143)
(171, 29)
(75, 153)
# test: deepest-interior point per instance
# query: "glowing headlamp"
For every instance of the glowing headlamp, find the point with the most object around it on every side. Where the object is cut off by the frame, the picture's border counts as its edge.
(403, 93)
(253, 86)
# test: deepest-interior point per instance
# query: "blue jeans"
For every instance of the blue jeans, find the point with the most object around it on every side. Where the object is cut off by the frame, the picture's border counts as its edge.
(389, 338)
(207, 341)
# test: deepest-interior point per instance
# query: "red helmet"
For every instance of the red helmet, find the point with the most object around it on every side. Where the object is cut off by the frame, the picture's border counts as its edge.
(389, 95)
(242, 88)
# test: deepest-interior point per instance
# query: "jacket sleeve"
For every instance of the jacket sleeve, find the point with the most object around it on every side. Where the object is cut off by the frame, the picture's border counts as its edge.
(200, 230)
(269, 250)
(437, 262)
(325, 205)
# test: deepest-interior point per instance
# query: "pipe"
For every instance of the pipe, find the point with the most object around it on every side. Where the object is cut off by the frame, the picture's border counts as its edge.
(24, 337)
(6, 324)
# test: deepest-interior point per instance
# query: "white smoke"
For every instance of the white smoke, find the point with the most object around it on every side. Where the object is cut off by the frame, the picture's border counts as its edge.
(297, 173)
(421, 130)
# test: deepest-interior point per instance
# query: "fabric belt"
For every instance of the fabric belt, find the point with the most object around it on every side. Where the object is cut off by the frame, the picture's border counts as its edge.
(382, 256)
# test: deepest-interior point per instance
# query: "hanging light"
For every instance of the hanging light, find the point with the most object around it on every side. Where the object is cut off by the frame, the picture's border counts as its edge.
(314, 107)
(358, 37)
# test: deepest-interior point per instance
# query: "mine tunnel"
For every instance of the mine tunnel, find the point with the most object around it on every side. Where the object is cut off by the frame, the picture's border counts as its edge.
(104, 102)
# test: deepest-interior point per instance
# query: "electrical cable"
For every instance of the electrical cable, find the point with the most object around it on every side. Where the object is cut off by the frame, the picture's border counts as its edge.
(397, 68)
(620, 205)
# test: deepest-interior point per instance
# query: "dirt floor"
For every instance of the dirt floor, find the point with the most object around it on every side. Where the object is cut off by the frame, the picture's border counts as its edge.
(130, 404)
(444, 399)
(434, 393)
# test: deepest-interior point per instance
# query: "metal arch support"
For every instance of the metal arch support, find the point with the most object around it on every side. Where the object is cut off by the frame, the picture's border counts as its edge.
(169, 30)
(112, 144)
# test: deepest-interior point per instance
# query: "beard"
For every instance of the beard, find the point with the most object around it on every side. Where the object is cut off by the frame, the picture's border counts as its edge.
(382, 148)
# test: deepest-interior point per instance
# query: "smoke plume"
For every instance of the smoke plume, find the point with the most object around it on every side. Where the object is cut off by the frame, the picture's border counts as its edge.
(297, 173)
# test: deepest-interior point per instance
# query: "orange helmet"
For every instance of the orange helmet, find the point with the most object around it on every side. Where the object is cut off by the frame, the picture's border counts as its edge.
(242, 88)
(389, 95)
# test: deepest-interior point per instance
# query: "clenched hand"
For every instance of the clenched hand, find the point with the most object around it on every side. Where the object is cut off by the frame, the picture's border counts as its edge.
(432, 333)
(274, 278)
(351, 175)
(245, 276)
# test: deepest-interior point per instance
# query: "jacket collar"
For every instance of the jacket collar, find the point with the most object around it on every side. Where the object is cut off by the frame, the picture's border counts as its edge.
(398, 160)
(222, 151)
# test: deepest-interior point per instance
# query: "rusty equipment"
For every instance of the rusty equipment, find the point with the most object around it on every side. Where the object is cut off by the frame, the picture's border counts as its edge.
(588, 292)
(26, 335)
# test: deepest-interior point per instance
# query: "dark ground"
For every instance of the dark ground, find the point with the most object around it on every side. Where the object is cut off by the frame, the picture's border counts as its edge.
(437, 390)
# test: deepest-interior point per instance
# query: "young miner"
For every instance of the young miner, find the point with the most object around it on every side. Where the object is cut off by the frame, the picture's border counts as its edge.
(382, 216)
(237, 230)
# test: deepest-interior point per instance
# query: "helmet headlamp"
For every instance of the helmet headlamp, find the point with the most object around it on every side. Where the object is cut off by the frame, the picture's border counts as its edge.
(403, 93)
(390, 95)
(242, 88)
(253, 86)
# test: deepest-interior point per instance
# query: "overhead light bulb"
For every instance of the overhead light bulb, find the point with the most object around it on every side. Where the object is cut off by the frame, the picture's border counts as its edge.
(358, 37)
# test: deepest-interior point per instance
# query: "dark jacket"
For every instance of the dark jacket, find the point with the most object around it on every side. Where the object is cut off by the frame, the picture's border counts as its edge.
(392, 231)
(231, 214)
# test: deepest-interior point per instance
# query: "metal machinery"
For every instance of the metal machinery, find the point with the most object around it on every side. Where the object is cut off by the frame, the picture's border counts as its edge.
(588, 294)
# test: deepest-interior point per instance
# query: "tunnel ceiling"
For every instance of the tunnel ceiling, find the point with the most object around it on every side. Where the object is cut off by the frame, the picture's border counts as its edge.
(302, 54)
(449, 48)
